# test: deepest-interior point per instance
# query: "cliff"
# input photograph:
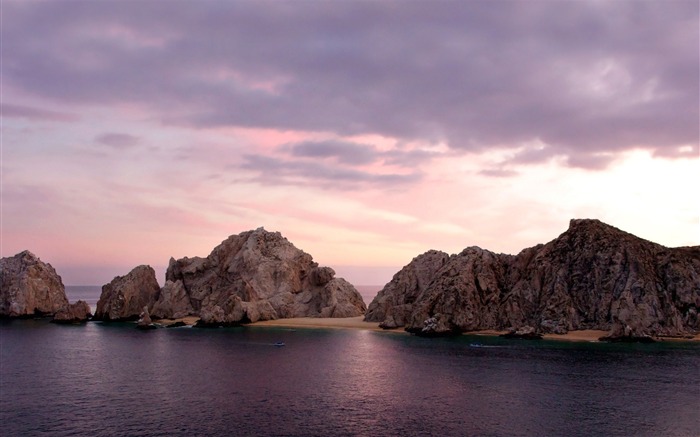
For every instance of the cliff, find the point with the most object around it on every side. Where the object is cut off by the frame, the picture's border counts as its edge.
(125, 296)
(30, 287)
(255, 275)
(593, 276)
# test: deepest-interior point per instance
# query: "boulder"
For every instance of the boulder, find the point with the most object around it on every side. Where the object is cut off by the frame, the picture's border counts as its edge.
(593, 276)
(125, 297)
(30, 287)
(434, 326)
(145, 321)
(75, 313)
(524, 332)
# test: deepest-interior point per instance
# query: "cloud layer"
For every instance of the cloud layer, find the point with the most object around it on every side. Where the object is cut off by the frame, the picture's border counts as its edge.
(366, 132)
(584, 78)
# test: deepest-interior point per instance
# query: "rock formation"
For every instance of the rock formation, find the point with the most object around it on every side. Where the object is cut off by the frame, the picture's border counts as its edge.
(29, 287)
(145, 321)
(255, 275)
(124, 298)
(593, 276)
(74, 313)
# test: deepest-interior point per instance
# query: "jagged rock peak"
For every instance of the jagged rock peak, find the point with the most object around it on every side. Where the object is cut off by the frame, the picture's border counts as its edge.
(29, 286)
(597, 227)
(593, 276)
(257, 275)
(251, 276)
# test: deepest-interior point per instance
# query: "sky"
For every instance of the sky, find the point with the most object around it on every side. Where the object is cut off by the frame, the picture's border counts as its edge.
(366, 132)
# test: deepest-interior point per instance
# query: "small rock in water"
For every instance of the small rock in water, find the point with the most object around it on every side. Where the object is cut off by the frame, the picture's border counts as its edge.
(145, 321)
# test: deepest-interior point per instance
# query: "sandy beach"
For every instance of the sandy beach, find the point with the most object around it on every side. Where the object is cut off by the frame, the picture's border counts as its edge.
(314, 322)
(589, 335)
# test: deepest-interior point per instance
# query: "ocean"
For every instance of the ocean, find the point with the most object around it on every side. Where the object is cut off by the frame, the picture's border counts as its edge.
(111, 379)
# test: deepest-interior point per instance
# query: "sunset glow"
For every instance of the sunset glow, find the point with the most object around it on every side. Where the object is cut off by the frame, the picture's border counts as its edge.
(365, 132)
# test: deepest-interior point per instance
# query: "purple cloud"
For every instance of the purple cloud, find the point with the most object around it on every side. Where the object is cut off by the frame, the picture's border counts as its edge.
(32, 113)
(117, 140)
(278, 171)
(588, 79)
(344, 152)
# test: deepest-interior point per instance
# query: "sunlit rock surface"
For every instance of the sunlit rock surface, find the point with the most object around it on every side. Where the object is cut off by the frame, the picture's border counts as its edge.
(29, 287)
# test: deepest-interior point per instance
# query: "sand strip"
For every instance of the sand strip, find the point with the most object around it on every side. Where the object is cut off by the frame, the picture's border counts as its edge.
(318, 322)
(589, 335)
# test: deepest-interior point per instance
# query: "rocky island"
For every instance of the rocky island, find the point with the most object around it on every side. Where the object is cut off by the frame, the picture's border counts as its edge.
(30, 287)
(593, 276)
(253, 276)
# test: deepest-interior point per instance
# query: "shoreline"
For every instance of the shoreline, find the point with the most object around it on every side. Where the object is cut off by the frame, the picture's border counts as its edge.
(586, 335)
(318, 322)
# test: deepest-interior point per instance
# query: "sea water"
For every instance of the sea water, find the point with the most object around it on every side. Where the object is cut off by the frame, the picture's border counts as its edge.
(112, 379)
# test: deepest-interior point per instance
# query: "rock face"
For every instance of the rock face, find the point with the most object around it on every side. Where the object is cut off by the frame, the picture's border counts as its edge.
(124, 297)
(593, 276)
(252, 276)
(29, 287)
(74, 313)
(393, 305)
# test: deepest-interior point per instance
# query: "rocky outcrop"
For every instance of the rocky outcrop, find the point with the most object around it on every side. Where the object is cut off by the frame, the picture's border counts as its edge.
(173, 302)
(145, 321)
(524, 332)
(75, 313)
(124, 298)
(593, 276)
(252, 276)
(393, 305)
(29, 287)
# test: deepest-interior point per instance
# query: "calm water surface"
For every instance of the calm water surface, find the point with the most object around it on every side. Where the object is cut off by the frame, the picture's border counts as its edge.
(104, 380)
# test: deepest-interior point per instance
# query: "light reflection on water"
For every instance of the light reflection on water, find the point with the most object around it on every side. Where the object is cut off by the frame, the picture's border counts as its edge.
(104, 379)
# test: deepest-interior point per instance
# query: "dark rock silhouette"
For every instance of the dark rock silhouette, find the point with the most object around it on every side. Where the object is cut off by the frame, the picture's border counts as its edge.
(593, 276)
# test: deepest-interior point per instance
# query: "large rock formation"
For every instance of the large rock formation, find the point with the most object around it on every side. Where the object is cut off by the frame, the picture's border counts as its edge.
(255, 275)
(124, 298)
(593, 276)
(252, 276)
(29, 287)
